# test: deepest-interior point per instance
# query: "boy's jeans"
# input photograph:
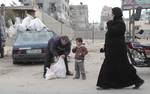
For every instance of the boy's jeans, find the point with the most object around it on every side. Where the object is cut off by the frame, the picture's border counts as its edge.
(79, 67)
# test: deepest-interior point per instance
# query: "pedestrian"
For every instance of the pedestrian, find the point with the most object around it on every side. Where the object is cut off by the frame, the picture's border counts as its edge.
(80, 51)
(1, 45)
(2, 30)
(58, 46)
(116, 71)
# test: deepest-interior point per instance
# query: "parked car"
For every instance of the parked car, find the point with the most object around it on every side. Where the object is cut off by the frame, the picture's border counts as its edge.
(31, 47)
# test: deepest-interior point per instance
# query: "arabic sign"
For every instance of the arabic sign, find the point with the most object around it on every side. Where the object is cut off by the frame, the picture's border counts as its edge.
(128, 4)
(142, 2)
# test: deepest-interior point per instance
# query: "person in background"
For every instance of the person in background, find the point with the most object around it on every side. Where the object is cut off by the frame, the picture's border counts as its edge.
(80, 51)
(3, 34)
(58, 46)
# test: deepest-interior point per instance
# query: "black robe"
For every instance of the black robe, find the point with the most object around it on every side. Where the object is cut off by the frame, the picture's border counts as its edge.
(116, 71)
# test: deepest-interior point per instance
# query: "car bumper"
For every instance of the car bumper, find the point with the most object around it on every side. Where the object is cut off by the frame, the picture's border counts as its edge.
(30, 57)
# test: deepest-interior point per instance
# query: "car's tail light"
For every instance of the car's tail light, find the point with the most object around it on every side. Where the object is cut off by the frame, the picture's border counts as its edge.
(44, 50)
(18, 51)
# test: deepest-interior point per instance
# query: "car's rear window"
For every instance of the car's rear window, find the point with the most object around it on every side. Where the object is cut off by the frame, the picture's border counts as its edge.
(33, 37)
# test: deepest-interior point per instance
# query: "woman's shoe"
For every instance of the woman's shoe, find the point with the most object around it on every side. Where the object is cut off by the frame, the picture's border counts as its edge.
(137, 85)
(102, 88)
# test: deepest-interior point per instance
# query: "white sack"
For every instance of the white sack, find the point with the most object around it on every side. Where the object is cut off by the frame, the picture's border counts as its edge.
(57, 70)
(36, 25)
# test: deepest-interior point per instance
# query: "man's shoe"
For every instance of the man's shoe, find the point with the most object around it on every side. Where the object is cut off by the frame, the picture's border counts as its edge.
(44, 76)
(137, 85)
(69, 74)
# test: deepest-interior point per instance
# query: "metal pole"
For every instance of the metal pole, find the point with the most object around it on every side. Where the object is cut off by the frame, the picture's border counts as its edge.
(130, 23)
(93, 33)
(133, 25)
(61, 29)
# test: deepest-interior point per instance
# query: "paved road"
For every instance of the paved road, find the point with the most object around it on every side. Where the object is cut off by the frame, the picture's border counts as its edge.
(27, 78)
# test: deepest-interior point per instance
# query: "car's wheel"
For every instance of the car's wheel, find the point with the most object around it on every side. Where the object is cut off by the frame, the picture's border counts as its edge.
(2, 52)
(136, 58)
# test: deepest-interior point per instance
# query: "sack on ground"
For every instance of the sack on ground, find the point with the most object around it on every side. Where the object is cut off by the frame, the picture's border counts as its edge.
(50, 74)
(58, 69)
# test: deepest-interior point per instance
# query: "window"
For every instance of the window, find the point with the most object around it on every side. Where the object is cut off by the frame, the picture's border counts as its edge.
(52, 7)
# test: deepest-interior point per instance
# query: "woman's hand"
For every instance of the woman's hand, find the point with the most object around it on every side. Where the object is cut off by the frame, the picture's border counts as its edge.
(102, 50)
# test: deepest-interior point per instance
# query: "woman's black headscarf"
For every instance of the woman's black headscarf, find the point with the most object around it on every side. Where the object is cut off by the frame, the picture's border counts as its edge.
(117, 12)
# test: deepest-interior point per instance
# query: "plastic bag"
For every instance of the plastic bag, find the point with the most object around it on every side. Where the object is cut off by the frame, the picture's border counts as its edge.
(36, 25)
(27, 20)
(58, 70)
(50, 74)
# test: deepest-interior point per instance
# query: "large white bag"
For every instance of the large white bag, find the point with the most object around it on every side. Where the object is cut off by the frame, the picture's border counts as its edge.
(36, 25)
(50, 74)
(57, 70)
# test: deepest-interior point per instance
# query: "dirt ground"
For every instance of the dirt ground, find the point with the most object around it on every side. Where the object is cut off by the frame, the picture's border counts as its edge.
(27, 78)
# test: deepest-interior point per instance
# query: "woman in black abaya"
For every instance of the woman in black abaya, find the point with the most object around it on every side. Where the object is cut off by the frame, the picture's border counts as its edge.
(116, 71)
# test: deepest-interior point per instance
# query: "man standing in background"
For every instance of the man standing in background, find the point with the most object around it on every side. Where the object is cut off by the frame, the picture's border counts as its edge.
(2, 30)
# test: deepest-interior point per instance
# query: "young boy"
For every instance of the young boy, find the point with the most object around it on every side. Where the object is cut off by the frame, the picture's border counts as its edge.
(80, 52)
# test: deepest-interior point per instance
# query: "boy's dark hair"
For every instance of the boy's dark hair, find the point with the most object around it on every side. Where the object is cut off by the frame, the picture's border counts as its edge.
(79, 40)
(31, 11)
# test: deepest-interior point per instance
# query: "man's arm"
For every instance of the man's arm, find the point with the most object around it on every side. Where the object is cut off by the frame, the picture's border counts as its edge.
(67, 48)
(52, 47)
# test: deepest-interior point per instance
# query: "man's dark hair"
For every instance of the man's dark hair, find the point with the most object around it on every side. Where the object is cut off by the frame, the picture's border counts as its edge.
(141, 31)
(79, 40)
(65, 38)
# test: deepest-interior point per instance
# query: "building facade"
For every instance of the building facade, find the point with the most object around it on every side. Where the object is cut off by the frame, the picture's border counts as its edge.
(58, 9)
(79, 17)
(106, 14)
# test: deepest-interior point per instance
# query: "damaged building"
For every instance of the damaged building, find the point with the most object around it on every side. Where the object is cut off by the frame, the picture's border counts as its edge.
(58, 9)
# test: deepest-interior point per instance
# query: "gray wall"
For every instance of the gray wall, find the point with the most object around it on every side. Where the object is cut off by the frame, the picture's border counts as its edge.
(90, 34)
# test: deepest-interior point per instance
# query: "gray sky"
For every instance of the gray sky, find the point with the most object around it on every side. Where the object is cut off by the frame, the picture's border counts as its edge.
(95, 6)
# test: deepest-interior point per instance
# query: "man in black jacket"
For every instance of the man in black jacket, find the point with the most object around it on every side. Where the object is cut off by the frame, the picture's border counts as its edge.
(58, 46)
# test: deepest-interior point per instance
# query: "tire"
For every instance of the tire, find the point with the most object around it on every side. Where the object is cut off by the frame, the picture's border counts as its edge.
(136, 58)
(2, 52)
(130, 57)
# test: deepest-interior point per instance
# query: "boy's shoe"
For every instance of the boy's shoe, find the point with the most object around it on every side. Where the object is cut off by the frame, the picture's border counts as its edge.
(83, 77)
(76, 77)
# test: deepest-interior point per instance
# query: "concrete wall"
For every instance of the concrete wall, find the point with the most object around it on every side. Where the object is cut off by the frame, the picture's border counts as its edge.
(56, 26)
(90, 34)
(79, 17)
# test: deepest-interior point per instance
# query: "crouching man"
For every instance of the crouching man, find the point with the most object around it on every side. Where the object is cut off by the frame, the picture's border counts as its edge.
(58, 46)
